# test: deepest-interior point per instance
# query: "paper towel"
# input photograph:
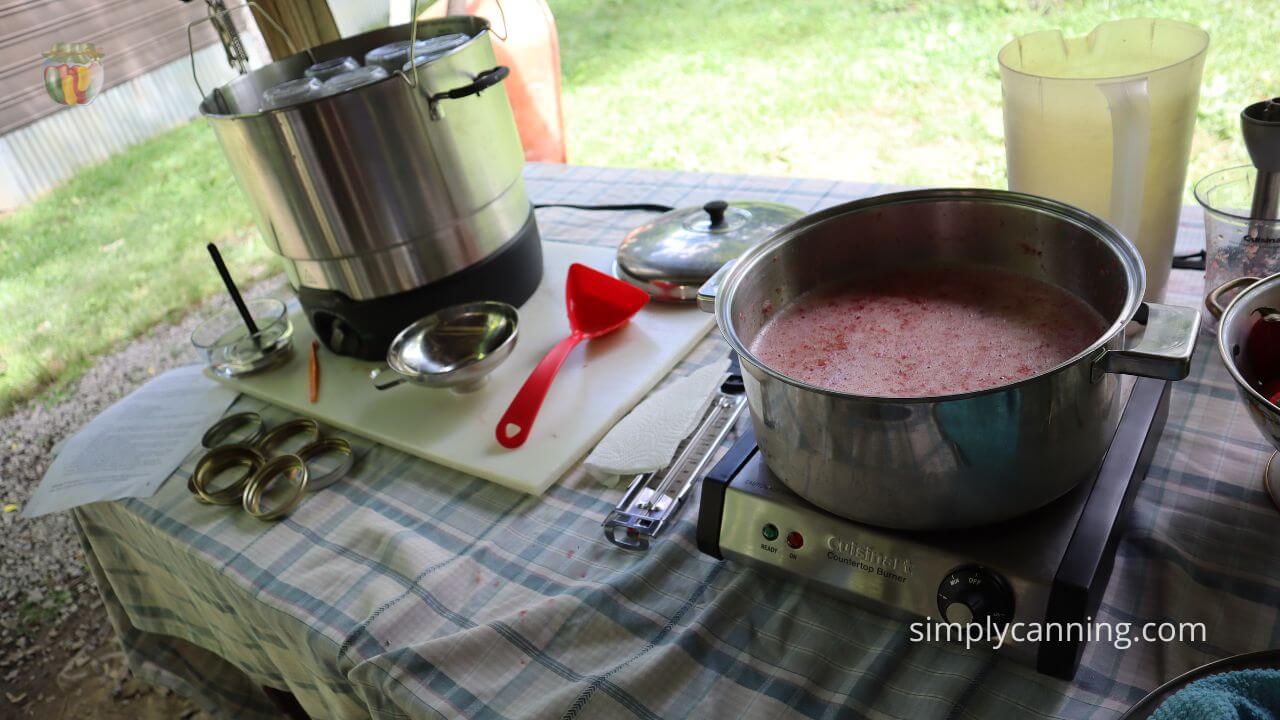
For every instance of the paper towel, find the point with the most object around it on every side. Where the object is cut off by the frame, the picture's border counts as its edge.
(646, 439)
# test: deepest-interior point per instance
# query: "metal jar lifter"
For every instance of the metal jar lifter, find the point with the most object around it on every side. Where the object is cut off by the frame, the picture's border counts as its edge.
(389, 200)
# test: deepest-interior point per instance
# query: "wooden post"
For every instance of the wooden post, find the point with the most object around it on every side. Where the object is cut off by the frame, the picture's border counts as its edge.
(308, 23)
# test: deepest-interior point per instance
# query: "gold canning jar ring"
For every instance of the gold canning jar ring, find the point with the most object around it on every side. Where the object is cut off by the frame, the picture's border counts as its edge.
(278, 466)
(324, 446)
(278, 434)
(218, 433)
(219, 459)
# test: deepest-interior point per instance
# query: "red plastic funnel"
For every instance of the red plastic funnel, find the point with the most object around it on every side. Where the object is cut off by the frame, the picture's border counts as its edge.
(597, 305)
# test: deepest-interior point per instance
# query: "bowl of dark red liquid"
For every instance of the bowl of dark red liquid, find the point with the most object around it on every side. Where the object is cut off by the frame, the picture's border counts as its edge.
(1249, 342)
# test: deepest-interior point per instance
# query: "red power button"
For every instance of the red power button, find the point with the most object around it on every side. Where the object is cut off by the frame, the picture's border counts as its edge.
(795, 540)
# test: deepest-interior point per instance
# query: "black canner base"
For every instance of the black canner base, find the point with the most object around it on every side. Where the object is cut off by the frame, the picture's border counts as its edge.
(365, 329)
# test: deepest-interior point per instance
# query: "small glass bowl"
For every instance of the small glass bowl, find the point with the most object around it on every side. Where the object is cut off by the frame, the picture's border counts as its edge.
(229, 350)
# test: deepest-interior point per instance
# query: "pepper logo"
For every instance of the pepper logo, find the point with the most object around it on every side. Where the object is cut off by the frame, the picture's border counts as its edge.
(73, 73)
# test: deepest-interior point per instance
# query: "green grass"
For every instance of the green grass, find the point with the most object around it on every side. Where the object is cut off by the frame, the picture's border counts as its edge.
(114, 251)
(33, 614)
(889, 90)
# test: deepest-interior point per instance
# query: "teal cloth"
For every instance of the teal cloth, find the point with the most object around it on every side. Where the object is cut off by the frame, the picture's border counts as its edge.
(1237, 695)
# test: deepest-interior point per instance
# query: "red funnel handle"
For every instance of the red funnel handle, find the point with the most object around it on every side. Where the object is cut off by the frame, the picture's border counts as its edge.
(519, 417)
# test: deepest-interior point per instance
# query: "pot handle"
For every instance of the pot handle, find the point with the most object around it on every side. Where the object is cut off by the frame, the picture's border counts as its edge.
(483, 81)
(1163, 349)
(707, 293)
(1213, 301)
(376, 373)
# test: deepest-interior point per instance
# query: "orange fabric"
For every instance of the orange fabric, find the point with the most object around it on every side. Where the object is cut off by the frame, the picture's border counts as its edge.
(532, 51)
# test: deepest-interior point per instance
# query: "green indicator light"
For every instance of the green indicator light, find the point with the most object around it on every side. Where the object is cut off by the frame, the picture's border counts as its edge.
(770, 532)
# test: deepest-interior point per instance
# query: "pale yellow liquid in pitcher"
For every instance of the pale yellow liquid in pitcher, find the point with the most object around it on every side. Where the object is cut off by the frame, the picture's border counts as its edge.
(1062, 126)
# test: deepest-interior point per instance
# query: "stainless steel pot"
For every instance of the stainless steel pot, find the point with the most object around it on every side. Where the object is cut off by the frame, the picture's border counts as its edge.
(958, 460)
(389, 200)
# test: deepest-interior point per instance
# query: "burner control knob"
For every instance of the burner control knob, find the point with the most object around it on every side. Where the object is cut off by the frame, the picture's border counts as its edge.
(975, 594)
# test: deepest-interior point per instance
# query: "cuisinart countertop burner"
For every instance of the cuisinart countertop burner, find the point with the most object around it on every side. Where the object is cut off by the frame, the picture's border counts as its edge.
(1050, 566)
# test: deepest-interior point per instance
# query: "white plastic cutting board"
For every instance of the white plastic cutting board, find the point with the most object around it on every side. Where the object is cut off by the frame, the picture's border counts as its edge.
(600, 381)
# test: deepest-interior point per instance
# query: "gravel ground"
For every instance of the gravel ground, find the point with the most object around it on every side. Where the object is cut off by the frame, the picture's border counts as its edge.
(43, 580)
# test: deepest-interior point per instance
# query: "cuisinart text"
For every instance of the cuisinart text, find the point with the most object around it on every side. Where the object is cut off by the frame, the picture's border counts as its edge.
(868, 559)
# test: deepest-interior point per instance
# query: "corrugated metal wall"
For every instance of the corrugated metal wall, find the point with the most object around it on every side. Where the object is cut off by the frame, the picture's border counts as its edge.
(148, 75)
(35, 158)
(137, 36)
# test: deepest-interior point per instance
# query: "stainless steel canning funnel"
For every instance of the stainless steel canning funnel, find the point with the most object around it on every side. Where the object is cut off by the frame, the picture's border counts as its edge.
(454, 348)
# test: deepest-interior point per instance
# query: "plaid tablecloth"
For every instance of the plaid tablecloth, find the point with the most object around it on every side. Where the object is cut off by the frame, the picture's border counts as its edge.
(415, 591)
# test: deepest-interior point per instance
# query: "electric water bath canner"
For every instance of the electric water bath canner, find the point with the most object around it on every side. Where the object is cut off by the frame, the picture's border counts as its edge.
(391, 199)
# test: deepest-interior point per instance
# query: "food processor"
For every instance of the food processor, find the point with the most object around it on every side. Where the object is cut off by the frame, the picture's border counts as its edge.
(1242, 205)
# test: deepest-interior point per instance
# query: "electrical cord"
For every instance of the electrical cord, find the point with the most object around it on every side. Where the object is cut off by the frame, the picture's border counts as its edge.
(648, 207)
(1190, 261)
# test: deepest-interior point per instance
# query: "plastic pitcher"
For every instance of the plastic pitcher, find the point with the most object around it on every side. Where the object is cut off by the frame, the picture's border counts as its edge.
(1104, 122)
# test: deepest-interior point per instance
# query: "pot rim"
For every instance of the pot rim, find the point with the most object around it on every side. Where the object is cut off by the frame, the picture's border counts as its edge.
(211, 115)
(1265, 283)
(1201, 193)
(1122, 247)
(1202, 38)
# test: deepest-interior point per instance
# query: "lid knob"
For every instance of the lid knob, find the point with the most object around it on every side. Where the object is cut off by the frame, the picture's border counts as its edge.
(715, 211)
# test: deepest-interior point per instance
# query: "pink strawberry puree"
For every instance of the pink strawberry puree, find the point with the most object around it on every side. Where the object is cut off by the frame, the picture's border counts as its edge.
(936, 330)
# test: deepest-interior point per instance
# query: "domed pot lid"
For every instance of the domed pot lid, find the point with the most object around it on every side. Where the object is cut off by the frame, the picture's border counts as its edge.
(672, 256)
